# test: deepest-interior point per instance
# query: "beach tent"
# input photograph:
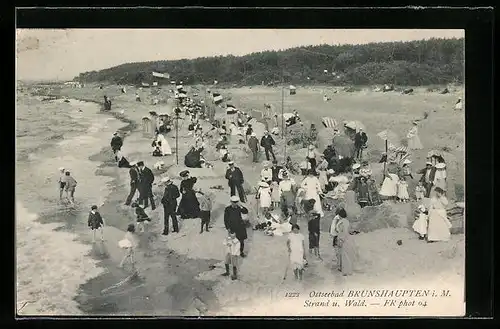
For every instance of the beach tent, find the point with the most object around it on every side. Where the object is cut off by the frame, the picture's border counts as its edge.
(217, 98)
(231, 109)
(293, 90)
(329, 122)
(146, 124)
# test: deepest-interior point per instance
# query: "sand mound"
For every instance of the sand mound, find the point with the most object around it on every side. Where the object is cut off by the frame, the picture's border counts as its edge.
(376, 218)
(173, 172)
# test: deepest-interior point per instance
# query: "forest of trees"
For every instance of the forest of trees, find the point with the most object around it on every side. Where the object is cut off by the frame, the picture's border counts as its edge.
(414, 63)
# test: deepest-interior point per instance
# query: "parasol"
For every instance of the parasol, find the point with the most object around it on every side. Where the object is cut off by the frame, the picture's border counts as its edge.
(389, 136)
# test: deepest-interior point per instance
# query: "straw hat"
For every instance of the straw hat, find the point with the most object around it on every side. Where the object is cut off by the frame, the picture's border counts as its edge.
(234, 198)
(311, 147)
(132, 163)
(330, 171)
(230, 163)
(165, 179)
(407, 161)
(440, 165)
(263, 184)
(253, 134)
(356, 166)
(428, 163)
(421, 208)
(61, 168)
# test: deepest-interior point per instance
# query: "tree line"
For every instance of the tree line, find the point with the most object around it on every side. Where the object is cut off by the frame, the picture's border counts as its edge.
(412, 63)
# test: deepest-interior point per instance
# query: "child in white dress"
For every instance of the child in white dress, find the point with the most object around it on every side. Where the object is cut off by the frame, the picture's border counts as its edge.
(419, 191)
(403, 195)
(421, 222)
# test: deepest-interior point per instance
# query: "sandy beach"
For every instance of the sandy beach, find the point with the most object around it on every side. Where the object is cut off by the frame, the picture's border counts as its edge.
(180, 274)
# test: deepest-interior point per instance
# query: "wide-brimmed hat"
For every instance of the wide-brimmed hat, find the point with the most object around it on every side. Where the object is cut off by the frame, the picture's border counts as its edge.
(165, 179)
(230, 163)
(184, 173)
(115, 133)
(61, 168)
(356, 166)
(132, 163)
(428, 163)
(234, 198)
(421, 207)
(330, 171)
(406, 161)
(415, 122)
(440, 165)
(263, 184)
(311, 147)
(253, 134)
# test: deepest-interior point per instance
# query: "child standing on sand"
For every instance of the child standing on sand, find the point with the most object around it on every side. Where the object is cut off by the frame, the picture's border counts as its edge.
(129, 243)
(62, 181)
(205, 207)
(275, 195)
(296, 251)
(232, 254)
(419, 191)
(95, 222)
(402, 187)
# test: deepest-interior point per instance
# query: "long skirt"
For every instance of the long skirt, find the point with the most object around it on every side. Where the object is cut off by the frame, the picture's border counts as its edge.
(346, 257)
(390, 186)
(414, 143)
(439, 225)
(373, 195)
(189, 207)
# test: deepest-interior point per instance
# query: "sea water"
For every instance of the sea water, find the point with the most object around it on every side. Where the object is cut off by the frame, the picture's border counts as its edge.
(51, 263)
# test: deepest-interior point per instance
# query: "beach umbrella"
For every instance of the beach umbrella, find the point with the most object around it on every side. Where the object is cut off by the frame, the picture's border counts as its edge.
(389, 136)
(329, 122)
(354, 125)
(435, 153)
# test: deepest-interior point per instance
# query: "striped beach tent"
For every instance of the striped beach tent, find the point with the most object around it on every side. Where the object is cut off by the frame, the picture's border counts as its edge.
(161, 75)
(231, 109)
(329, 122)
(217, 98)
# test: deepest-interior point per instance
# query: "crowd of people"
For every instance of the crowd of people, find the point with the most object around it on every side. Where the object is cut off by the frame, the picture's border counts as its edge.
(284, 199)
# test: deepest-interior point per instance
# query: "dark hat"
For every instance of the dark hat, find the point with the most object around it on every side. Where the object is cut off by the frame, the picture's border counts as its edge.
(93, 207)
(131, 228)
(140, 163)
(134, 205)
(275, 162)
(184, 173)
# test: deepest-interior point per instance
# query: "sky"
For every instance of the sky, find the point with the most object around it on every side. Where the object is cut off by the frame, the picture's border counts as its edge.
(44, 54)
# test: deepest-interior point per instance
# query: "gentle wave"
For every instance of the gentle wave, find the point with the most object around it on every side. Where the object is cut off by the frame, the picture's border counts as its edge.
(50, 267)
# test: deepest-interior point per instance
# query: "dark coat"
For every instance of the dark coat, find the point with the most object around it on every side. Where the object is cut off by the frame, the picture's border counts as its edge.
(360, 139)
(431, 176)
(95, 220)
(147, 177)
(275, 171)
(253, 143)
(116, 142)
(234, 222)
(134, 175)
(267, 142)
(169, 199)
(188, 184)
(234, 177)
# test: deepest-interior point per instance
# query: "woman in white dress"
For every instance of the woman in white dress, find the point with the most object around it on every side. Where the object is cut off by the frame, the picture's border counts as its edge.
(312, 188)
(413, 138)
(389, 187)
(440, 176)
(264, 197)
(165, 147)
(439, 225)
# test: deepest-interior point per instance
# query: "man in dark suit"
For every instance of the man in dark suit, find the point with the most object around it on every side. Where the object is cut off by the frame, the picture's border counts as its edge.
(234, 222)
(427, 177)
(134, 182)
(360, 140)
(267, 142)
(169, 202)
(146, 185)
(235, 180)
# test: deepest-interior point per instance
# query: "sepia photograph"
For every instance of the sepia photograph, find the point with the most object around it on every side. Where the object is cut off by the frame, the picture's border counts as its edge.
(240, 172)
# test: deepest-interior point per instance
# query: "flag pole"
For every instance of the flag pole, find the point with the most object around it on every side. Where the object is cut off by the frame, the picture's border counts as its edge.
(386, 154)
(283, 125)
(177, 137)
